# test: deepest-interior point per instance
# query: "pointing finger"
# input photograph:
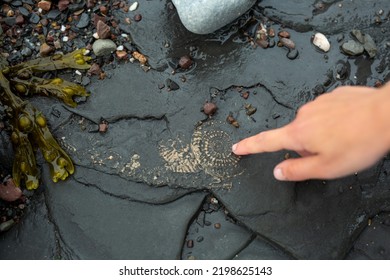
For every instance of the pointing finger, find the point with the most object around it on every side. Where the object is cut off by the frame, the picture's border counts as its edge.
(267, 141)
(300, 169)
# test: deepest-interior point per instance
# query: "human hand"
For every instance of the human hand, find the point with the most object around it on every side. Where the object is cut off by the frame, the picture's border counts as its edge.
(337, 134)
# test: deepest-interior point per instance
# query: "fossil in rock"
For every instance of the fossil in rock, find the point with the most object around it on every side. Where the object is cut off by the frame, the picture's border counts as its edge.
(209, 150)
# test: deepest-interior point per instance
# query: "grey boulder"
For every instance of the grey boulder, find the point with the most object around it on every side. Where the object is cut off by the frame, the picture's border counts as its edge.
(206, 16)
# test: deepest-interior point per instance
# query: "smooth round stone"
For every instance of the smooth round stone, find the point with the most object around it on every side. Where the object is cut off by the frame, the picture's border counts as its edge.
(206, 16)
(103, 47)
(352, 48)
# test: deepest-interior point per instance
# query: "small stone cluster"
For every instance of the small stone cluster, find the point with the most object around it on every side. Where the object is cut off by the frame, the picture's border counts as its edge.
(361, 42)
(64, 25)
(264, 37)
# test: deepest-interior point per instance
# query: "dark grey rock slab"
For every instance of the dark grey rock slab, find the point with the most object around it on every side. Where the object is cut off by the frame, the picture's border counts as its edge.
(95, 225)
(304, 211)
(130, 93)
(260, 249)
(34, 238)
(374, 241)
(133, 191)
(213, 235)
(110, 196)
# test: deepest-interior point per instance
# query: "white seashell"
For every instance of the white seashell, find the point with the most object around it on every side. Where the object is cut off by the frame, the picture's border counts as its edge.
(133, 6)
(321, 42)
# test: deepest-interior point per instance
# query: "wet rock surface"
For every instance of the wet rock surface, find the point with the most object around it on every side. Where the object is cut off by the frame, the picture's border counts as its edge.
(123, 186)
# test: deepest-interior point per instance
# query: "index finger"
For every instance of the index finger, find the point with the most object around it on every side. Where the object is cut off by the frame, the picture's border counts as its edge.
(266, 141)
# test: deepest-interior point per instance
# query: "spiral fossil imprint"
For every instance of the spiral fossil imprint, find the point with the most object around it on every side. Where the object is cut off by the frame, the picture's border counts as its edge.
(209, 150)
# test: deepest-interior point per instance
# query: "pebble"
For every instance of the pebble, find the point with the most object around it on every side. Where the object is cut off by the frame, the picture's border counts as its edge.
(103, 47)
(287, 43)
(245, 95)
(137, 17)
(370, 46)
(250, 109)
(171, 85)
(262, 43)
(103, 30)
(9, 192)
(320, 41)
(230, 119)
(26, 52)
(217, 225)
(358, 35)
(84, 21)
(292, 54)
(53, 14)
(103, 126)
(133, 6)
(352, 48)
(34, 18)
(121, 54)
(190, 243)
(284, 34)
(63, 5)
(95, 69)
(185, 62)
(140, 57)
(209, 108)
(19, 20)
(45, 50)
(6, 225)
(45, 5)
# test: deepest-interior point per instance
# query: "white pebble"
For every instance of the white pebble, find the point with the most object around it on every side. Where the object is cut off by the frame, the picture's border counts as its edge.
(124, 35)
(63, 28)
(132, 59)
(120, 48)
(95, 35)
(321, 42)
(133, 6)
(78, 72)
(65, 39)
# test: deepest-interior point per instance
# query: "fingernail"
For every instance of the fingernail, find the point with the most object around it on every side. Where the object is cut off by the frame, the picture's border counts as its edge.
(234, 147)
(278, 173)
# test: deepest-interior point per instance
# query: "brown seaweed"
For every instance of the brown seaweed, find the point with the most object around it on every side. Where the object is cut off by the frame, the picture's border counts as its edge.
(28, 125)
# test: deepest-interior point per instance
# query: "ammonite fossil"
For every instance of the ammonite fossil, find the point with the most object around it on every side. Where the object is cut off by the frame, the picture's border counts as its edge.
(209, 150)
(200, 160)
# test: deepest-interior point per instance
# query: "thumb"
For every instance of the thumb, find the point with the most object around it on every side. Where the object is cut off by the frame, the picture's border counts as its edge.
(300, 169)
